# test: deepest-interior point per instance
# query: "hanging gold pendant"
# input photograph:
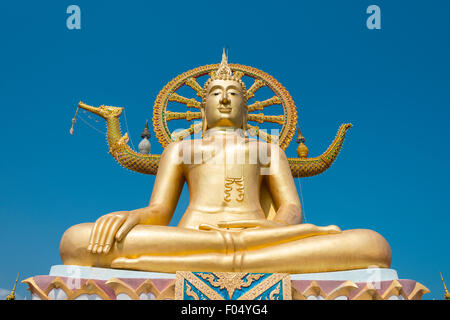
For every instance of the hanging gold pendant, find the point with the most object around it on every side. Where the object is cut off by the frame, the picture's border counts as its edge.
(229, 187)
(234, 174)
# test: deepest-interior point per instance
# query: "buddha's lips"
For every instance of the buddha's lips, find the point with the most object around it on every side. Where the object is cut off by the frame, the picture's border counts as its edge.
(224, 109)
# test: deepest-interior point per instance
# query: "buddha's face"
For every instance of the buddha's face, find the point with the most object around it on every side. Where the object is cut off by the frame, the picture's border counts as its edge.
(224, 104)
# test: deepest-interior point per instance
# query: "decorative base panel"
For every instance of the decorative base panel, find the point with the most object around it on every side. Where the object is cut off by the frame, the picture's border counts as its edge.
(130, 285)
(232, 286)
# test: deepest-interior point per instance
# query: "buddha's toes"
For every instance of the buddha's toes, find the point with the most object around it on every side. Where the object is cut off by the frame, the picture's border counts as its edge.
(332, 229)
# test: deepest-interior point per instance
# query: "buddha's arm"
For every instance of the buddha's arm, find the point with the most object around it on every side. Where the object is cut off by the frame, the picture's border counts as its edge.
(166, 191)
(168, 185)
(282, 188)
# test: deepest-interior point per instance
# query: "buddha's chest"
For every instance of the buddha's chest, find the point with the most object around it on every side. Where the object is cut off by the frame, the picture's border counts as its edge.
(224, 184)
(228, 173)
(211, 174)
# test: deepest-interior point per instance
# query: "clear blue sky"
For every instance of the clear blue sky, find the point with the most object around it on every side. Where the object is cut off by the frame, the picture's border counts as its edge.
(392, 175)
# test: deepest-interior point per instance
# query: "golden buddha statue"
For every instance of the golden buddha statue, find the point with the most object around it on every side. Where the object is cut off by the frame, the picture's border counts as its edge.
(225, 227)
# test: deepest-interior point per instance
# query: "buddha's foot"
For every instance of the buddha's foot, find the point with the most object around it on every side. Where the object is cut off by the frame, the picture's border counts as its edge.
(332, 229)
(172, 264)
(146, 263)
(125, 263)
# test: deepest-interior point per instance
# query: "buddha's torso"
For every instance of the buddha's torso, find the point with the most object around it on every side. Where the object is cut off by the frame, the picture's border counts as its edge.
(224, 179)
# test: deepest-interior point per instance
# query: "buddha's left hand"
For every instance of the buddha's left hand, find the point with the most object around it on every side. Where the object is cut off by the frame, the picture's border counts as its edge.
(243, 224)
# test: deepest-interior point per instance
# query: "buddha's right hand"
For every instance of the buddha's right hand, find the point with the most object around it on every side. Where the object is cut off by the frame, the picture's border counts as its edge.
(111, 226)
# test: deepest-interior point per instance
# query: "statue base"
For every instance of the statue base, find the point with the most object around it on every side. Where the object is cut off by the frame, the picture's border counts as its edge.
(89, 283)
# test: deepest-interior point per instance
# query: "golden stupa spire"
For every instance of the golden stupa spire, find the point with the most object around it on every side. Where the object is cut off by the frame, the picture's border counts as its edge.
(12, 295)
(447, 294)
(302, 150)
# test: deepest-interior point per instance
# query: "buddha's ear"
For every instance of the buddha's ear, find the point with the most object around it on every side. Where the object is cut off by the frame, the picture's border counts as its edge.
(244, 122)
(204, 124)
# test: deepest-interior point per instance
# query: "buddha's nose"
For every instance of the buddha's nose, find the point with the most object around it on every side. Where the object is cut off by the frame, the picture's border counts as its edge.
(224, 99)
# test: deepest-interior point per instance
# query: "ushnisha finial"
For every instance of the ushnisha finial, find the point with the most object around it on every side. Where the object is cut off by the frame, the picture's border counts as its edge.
(224, 72)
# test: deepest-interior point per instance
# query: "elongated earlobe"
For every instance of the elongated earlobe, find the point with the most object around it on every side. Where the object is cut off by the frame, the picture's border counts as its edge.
(244, 124)
(204, 124)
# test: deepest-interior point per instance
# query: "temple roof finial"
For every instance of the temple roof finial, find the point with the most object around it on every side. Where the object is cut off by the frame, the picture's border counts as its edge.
(446, 294)
(12, 295)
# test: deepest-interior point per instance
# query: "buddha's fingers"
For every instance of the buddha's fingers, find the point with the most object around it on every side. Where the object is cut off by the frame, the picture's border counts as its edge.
(207, 227)
(94, 236)
(239, 224)
(107, 229)
(106, 224)
(210, 227)
(260, 223)
(91, 238)
(112, 232)
(101, 226)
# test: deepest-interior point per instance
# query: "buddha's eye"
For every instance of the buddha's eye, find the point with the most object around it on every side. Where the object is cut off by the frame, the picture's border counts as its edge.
(233, 93)
(216, 93)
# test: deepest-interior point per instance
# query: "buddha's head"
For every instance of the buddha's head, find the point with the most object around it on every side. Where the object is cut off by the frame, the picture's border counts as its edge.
(224, 101)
